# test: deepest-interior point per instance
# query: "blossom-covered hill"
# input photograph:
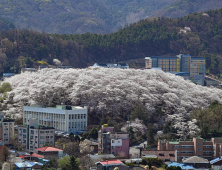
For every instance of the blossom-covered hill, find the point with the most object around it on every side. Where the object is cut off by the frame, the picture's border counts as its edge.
(107, 91)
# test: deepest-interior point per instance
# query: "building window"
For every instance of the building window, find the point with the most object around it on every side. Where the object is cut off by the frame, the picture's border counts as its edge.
(186, 146)
(198, 149)
(113, 141)
(198, 143)
(113, 147)
(41, 142)
(41, 131)
(41, 137)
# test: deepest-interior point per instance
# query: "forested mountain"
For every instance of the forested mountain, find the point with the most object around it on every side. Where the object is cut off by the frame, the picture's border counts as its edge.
(159, 36)
(94, 16)
(6, 24)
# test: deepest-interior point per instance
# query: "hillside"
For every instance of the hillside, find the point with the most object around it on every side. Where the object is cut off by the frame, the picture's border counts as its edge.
(183, 7)
(94, 16)
(160, 36)
(108, 92)
(6, 24)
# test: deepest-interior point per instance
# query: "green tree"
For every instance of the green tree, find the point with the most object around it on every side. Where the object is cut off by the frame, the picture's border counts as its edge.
(139, 111)
(93, 133)
(74, 163)
(5, 87)
(150, 136)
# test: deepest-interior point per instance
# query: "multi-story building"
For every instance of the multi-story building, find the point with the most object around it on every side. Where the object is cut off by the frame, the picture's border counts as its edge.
(207, 149)
(62, 118)
(112, 142)
(7, 131)
(112, 65)
(33, 136)
(166, 63)
(189, 67)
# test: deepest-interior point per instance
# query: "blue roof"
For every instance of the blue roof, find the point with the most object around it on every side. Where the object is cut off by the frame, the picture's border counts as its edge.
(198, 58)
(23, 165)
(183, 166)
(216, 160)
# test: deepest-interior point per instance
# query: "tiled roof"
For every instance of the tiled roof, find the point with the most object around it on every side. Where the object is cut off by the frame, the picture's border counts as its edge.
(37, 155)
(48, 149)
(195, 159)
(111, 162)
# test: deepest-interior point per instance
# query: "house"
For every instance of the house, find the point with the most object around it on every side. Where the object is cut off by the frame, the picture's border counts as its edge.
(49, 152)
(62, 117)
(124, 167)
(216, 164)
(197, 162)
(106, 165)
(111, 142)
(26, 165)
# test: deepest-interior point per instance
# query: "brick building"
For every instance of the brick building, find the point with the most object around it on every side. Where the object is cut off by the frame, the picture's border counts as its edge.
(112, 142)
(208, 149)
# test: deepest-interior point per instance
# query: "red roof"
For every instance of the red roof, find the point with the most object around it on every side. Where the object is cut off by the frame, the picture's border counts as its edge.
(111, 162)
(37, 155)
(48, 149)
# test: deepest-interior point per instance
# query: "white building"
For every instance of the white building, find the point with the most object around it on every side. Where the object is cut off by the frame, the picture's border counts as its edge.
(62, 118)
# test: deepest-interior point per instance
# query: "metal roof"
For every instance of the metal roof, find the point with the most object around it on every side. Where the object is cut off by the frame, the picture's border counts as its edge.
(183, 166)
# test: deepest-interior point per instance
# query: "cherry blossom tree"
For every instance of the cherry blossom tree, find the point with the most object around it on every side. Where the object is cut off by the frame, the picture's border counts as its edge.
(138, 127)
(110, 91)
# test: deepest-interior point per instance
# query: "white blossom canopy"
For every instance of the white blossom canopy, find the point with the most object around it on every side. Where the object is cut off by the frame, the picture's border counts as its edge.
(106, 89)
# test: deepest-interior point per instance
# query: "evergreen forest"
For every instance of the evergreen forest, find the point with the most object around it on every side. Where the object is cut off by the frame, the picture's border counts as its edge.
(149, 37)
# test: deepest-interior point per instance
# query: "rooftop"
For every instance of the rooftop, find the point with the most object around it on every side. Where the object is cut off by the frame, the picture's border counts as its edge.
(37, 155)
(182, 166)
(110, 162)
(61, 107)
(8, 120)
(48, 149)
(195, 159)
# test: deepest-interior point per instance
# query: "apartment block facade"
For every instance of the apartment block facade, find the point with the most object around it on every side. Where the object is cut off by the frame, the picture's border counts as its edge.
(111, 142)
(208, 149)
(62, 118)
(180, 63)
(7, 131)
(33, 136)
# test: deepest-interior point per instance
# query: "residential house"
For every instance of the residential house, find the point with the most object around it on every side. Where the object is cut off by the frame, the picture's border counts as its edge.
(197, 162)
(50, 152)
(111, 142)
(216, 164)
(106, 165)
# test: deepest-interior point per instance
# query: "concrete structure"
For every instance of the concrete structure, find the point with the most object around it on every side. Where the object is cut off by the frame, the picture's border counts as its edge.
(113, 65)
(111, 142)
(208, 149)
(189, 67)
(6, 130)
(166, 156)
(62, 118)
(23, 70)
(32, 136)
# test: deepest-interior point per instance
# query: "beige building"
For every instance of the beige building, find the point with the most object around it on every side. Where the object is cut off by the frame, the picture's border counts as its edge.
(33, 136)
(7, 131)
(208, 149)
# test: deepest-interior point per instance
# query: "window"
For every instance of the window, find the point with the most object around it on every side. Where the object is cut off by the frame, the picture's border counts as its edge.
(186, 146)
(24, 130)
(207, 146)
(208, 152)
(51, 136)
(41, 131)
(51, 131)
(184, 152)
(113, 141)
(41, 137)
(5, 123)
(198, 143)
(113, 147)
(198, 149)
(41, 142)
(176, 146)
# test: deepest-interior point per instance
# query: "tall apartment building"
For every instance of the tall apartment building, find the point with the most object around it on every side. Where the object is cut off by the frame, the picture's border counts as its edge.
(33, 136)
(7, 131)
(208, 149)
(180, 63)
(111, 142)
(62, 118)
